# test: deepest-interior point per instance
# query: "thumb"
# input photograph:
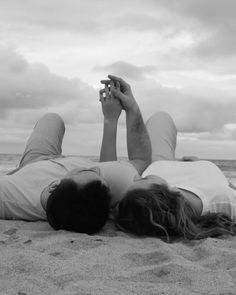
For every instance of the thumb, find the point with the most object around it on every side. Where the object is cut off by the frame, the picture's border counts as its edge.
(117, 93)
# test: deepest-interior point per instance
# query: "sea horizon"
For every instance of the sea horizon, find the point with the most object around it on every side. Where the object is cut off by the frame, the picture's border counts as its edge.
(94, 156)
(10, 161)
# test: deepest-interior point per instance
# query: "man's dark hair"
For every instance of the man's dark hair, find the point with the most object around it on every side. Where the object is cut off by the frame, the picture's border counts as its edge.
(83, 210)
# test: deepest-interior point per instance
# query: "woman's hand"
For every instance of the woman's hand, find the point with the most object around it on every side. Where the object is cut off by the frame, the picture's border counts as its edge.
(111, 109)
(111, 106)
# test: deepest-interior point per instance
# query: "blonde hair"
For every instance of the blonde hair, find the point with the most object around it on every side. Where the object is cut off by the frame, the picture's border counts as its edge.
(166, 214)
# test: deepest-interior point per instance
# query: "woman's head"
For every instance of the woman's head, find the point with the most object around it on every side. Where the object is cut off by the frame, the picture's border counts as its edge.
(156, 211)
(162, 212)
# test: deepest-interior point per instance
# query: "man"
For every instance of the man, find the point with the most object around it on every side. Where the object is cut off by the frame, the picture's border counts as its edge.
(70, 192)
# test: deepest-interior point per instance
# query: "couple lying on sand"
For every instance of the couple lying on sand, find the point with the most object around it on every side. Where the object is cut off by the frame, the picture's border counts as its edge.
(150, 194)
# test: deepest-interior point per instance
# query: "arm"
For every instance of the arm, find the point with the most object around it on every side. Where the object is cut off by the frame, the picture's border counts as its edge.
(111, 108)
(138, 142)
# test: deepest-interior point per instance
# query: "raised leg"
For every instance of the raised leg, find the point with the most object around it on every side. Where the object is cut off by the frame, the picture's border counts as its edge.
(45, 141)
(163, 134)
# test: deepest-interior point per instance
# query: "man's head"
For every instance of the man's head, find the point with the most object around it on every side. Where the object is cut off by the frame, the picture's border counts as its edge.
(79, 202)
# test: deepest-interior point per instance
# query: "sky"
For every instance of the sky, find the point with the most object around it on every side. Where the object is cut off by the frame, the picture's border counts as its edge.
(178, 57)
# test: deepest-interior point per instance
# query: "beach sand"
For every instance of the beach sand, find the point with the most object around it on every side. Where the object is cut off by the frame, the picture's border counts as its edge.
(34, 259)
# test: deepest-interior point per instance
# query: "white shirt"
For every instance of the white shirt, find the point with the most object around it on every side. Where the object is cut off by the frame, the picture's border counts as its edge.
(203, 178)
(20, 192)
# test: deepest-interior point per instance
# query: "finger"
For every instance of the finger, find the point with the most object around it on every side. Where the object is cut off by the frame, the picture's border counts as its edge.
(115, 87)
(118, 85)
(101, 99)
(105, 81)
(101, 94)
(115, 79)
(111, 90)
(117, 93)
(107, 92)
(102, 90)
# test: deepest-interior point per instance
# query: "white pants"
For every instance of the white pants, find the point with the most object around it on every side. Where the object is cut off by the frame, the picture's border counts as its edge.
(45, 141)
(163, 133)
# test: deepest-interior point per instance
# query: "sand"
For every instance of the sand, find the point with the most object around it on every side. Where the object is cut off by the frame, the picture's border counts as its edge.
(34, 259)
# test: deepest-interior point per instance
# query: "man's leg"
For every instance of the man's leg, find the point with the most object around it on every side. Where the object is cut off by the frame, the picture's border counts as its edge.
(45, 141)
(163, 133)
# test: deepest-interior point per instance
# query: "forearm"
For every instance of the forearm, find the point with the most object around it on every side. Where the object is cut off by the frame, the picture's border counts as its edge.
(138, 141)
(108, 148)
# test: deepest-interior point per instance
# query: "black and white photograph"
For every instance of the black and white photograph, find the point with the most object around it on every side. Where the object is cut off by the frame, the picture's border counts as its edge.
(117, 147)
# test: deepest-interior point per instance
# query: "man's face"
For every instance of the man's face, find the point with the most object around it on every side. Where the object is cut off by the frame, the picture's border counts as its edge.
(82, 175)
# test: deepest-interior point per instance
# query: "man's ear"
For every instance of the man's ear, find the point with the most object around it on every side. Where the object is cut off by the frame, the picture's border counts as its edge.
(47, 192)
(53, 185)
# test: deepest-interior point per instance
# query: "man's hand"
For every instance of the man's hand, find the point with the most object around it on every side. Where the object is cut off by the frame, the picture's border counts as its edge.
(122, 91)
(111, 106)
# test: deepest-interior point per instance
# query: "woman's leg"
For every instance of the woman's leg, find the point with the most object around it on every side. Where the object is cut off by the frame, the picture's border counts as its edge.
(163, 134)
(45, 141)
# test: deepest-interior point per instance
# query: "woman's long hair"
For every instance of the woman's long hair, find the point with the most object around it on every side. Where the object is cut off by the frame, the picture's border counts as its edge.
(164, 213)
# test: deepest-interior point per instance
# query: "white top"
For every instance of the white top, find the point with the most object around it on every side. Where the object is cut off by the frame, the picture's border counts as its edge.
(20, 192)
(203, 178)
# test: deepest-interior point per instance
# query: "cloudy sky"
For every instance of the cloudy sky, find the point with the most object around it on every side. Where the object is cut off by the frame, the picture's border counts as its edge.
(178, 56)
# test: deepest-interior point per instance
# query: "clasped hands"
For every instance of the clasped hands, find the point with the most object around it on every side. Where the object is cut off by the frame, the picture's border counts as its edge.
(115, 96)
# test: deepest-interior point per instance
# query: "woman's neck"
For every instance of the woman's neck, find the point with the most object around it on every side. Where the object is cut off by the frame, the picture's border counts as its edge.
(194, 201)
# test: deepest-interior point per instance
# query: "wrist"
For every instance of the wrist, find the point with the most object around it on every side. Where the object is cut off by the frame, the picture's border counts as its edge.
(133, 110)
(110, 120)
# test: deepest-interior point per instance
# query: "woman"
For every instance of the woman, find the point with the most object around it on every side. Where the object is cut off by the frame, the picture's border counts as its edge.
(192, 200)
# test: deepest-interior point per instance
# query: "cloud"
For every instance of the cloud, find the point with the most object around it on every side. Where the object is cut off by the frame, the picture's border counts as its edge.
(141, 20)
(213, 12)
(211, 23)
(206, 149)
(73, 16)
(126, 70)
(198, 108)
(218, 43)
(31, 86)
(29, 90)
(194, 109)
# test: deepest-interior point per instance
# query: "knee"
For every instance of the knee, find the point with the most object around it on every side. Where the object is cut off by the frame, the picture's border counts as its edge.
(161, 119)
(160, 116)
(53, 117)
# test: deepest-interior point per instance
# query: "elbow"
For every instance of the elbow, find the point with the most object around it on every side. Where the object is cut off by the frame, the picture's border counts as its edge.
(145, 163)
(149, 157)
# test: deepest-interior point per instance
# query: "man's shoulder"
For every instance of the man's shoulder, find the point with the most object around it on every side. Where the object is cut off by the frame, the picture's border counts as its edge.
(120, 164)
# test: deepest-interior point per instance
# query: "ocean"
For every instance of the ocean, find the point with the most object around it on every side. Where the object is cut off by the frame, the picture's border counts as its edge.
(9, 162)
